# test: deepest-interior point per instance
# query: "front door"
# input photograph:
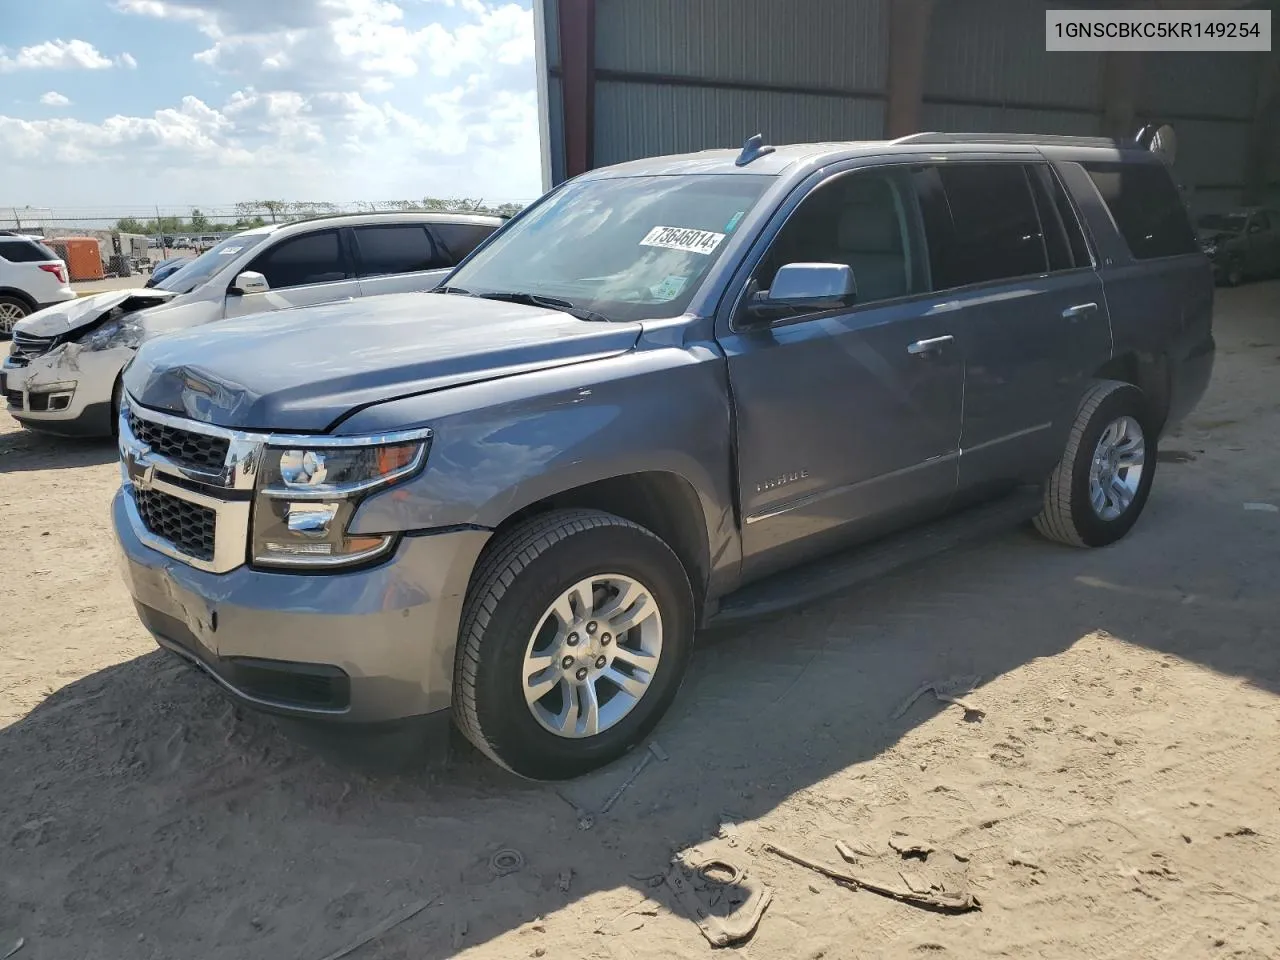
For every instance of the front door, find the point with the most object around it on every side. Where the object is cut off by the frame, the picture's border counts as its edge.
(848, 421)
(301, 270)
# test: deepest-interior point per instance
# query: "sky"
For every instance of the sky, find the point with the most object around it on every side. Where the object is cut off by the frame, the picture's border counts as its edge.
(115, 103)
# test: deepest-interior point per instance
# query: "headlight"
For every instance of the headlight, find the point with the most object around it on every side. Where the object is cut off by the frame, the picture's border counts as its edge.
(122, 332)
(308, 490)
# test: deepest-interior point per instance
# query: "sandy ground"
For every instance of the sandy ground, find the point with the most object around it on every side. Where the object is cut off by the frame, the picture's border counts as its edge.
(1118, 799)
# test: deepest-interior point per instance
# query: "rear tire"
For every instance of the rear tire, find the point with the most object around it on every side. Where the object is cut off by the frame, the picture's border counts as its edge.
(12, 309)
(538, 614)
(1100, 486)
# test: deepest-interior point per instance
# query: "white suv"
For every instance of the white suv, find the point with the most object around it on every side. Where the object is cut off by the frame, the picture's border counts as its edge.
(31, 278)
(62, 374)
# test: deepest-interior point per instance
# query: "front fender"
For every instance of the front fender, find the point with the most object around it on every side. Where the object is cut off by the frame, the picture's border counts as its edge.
(501, 446)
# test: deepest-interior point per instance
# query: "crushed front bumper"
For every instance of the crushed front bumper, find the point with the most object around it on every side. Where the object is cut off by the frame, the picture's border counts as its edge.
(368, 646)
(66, 391)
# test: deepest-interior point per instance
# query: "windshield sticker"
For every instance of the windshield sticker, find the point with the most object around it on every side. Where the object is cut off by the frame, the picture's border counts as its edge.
(669, 288)
(229, 250)
(734, 222)
(682, 238)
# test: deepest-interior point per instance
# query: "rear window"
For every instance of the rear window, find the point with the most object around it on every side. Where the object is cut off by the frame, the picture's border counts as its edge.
(1146, 207)
(396, 248)
(25, 251)
(980, 222)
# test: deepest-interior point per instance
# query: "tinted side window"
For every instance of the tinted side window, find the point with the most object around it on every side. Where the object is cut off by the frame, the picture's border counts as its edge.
(1146, 207)
(858, 219)
(980, 223)
(310, 258)
(1051, 225)
(396, 248)
(25, 251)
(1263, 223)
(459, 239)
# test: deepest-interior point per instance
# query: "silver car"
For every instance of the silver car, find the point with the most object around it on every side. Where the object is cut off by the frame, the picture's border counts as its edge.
(63, 372)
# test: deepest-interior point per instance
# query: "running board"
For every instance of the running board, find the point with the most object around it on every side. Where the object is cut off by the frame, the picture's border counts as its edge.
(821, 578)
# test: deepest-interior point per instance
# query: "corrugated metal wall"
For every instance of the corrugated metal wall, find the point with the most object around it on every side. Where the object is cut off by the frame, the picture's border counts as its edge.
(683, 75)
(798, 43)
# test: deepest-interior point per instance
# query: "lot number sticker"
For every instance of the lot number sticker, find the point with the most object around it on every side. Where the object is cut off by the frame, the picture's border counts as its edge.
(683, 238)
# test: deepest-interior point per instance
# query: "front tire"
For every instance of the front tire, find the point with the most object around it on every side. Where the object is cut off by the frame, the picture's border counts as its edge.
(1100, 486)
(576, 633)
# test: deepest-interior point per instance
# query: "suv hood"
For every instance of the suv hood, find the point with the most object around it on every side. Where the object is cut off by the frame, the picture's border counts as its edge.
(301, 370)
(64, 318)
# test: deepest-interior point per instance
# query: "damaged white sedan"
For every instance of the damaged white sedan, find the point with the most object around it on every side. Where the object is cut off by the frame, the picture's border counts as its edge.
(62, 374)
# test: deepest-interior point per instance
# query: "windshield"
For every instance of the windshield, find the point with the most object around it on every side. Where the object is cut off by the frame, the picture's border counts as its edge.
(628, 249)
(187, 278)
(1230, 222)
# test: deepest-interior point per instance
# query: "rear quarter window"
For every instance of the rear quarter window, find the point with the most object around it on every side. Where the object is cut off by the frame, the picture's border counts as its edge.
(25, 251)
(1147, 208)
(459, 239)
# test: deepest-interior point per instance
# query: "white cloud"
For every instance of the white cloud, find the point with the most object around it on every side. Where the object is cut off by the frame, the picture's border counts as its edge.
(127, 60)
(54, 55)
(333, 99)
(55, 99)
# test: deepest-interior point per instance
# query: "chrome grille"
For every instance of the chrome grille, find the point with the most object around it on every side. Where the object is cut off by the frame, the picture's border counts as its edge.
(183, 446)
(28, 347)
(188, 526)
(187, 486)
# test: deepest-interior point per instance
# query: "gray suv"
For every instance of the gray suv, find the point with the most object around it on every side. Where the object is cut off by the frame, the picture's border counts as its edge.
(670, 394)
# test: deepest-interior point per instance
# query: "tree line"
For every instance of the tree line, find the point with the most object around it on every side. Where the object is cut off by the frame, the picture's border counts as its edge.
(258, 213)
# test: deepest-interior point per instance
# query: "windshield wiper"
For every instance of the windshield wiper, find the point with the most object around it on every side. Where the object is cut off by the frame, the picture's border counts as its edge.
(457, 290)
(537, 300)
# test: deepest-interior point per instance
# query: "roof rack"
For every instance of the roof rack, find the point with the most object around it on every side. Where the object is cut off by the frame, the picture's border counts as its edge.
(1033, 139)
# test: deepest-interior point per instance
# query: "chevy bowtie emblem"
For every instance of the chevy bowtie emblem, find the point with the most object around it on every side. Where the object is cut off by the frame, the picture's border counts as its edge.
(141, 473)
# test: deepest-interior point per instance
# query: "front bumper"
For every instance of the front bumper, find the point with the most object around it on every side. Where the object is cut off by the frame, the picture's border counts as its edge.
(368, 646)
(66, 391)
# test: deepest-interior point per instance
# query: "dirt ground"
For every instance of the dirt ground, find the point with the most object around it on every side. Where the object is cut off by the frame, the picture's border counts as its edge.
(1117, 799)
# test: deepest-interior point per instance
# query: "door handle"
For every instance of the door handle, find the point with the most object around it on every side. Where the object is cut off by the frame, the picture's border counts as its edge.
(924, 348)
(1079, 310)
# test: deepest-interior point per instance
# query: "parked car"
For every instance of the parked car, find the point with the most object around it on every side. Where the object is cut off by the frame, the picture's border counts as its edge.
(32, 277)
(166, 268)
(671, 393)
(1241, 243)
(63, 372)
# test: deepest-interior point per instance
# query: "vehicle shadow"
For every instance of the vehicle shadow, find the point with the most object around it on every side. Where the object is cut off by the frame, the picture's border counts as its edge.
(22, 451)
(142, 809)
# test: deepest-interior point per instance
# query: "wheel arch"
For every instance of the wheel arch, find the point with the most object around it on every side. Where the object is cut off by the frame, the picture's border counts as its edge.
(662, 501)
(19, 295)
(1150, 373)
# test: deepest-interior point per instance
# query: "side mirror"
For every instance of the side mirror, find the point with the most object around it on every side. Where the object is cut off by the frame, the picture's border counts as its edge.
(803, 287)
(249, 282)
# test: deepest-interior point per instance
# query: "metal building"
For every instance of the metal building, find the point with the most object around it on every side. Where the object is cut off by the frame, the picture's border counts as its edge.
(621, 79)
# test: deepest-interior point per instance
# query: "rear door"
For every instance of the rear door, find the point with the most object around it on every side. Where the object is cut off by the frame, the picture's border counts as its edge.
(301, 270)
(1028, 310)
(398, 258)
